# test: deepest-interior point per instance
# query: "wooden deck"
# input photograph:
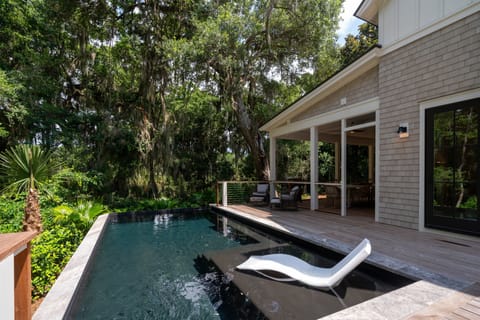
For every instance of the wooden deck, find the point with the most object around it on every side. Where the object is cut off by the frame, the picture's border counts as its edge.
(446, 260)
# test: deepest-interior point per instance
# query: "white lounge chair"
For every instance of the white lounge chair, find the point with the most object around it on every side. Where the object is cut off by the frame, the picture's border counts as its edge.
(296, 269)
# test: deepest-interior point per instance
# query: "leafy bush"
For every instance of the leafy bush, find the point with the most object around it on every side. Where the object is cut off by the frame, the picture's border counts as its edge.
(51, 251)
(196, 200)
(11, 214)
(70, 185)
(201, 199)
(65, 228)
(471, 203)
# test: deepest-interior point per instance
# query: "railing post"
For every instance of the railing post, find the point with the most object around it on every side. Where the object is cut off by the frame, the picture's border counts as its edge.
(23, 283)
(224, 194)
(15, 275)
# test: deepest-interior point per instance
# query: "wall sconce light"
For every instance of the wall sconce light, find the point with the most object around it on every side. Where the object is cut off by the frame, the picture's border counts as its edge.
(403, 130)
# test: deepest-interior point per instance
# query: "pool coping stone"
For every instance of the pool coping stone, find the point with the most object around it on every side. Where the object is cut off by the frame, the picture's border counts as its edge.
(57, 302)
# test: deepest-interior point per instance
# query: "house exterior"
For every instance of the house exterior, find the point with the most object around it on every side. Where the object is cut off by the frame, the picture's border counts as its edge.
(416, 99)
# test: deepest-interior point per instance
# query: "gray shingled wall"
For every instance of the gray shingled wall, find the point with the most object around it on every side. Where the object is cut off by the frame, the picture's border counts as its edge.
(360, 89)
(440, 64)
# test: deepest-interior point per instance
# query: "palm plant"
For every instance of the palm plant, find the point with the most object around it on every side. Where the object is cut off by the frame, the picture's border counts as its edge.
(27, 169)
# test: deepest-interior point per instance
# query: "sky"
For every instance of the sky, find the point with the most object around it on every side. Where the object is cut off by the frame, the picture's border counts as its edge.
(348, 23)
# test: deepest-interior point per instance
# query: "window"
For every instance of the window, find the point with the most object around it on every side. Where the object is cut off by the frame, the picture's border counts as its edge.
(452, 172)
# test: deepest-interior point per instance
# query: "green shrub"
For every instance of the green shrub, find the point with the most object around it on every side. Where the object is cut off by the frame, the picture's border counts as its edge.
(11, 214)
(51, 251)
(65, 228)
(195, 200)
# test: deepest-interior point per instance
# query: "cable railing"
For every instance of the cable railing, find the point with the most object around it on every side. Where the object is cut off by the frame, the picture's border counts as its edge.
(328, 195)
(240, 192)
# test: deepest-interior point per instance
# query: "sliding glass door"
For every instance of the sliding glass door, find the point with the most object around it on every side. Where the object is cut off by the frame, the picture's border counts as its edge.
(452, 170)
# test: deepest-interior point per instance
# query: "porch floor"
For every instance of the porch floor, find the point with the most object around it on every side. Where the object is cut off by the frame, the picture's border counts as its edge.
(446, 265)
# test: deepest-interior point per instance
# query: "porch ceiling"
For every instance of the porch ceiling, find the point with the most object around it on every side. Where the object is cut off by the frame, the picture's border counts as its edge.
(332, 133)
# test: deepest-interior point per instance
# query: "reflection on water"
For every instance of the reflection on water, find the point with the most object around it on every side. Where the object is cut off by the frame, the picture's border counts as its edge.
(162, 220)
(146, 270)
(169, 266)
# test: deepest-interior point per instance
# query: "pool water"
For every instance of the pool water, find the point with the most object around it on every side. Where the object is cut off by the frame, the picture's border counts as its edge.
(182, 266)
(146, 270)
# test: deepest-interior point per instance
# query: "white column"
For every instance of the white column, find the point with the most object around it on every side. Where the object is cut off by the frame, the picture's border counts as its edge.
(337, 162)
(377, 165)
(343, 176)
(313, 168)
(224, 193)
(273, 165)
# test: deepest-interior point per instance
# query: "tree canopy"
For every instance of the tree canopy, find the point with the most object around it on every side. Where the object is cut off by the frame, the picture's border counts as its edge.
(152, 98)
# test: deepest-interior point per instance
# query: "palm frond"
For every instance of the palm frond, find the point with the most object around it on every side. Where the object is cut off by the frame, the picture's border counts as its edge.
(26, 166)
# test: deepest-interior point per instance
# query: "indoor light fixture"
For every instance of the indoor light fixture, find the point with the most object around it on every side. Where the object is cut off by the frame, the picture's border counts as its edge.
(403, 130)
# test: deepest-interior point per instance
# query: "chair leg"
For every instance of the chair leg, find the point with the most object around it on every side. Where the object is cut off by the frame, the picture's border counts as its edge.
(338, 297)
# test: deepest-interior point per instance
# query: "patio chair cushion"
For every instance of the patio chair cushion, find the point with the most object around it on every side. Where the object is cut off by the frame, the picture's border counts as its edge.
(257, 199)
(291, 195)
(262, 188)
(275, 200)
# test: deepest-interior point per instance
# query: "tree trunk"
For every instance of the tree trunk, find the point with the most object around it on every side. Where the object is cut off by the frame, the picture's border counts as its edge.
(253, 138)
(32, 220)
(152, 185)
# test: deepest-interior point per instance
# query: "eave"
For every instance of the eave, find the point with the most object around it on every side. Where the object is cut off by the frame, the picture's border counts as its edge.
(345, 76)
(368, 11)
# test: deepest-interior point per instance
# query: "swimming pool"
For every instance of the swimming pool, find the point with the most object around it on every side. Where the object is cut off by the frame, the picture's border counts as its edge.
(181, 266)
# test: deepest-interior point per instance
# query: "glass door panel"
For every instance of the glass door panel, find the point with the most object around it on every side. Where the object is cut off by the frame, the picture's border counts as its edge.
(451, 167)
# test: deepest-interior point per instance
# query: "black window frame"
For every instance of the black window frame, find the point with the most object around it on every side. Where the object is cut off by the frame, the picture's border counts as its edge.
(431, 220)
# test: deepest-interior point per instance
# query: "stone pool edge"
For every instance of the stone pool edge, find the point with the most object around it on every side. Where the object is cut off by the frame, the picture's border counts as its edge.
(57, 302)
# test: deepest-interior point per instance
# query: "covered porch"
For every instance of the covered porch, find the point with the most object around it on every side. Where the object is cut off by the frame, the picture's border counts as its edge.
(352, 137)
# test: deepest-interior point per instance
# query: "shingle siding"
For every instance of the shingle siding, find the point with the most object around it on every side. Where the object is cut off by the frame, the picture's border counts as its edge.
(440, 64)
(360, 89)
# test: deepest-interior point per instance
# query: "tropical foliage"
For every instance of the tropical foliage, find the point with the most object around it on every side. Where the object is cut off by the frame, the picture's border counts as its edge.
(26, 168)
(145, 104)
(158, 98)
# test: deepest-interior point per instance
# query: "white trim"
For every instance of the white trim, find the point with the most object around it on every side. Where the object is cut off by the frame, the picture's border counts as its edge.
(313, 168)
(421, 186)
(361, 126)
(424, 105)
(19, 250)
(454, 98)
(377, 165)
(441, 23)
(273, 165)
(357, 109)
(343, 176)
(368, 11)
(224, 194)
(350, 73)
